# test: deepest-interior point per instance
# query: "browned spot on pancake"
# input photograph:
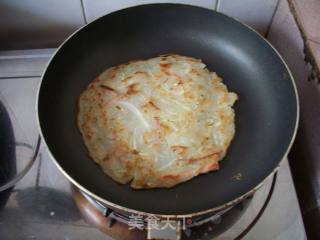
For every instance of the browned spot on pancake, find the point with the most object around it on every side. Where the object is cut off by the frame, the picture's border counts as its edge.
(210, 167)
(106, 158)
(202, 100)
(165, 72)
(142, 73)
(108, 88)
(180, 82)
(165, 128)
(156, 146)
(194, 71)
(113, 73)
(151, 104)
(126, 79)
(165, 65)
(179, 79)
(222, 115)
(119, 67)
(154, 105)
(171, 177)
(91, 86)
(212, 153)
(179, 149)
(132, 89)
(200, 87)
(157, 119)
(129, 166)
(224, 98)
(188, 94)
(89, 136)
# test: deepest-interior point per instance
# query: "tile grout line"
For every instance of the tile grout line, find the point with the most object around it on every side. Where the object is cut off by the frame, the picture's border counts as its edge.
(271, 20)
(84, 12)
(217, 6)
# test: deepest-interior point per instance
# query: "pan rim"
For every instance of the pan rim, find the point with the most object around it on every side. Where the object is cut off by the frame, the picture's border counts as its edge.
(187, 215)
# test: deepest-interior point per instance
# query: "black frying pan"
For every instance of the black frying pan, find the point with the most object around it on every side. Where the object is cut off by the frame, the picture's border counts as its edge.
(266, 113)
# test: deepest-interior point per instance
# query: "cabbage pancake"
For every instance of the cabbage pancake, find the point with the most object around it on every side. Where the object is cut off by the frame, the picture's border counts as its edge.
(158, 122)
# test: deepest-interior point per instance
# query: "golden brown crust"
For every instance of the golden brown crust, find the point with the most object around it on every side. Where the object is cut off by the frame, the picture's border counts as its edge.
(157, 122)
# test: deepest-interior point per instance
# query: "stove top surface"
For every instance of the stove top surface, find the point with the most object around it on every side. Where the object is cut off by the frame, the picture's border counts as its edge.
(41, 205)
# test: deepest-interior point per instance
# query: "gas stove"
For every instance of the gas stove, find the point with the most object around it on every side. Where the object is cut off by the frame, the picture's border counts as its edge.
(44, 205)
(128, 226)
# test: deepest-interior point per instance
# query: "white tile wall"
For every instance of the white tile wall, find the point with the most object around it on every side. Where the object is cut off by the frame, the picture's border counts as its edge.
(96, 8)
(46, 23)
(38, 24)
(256, 13)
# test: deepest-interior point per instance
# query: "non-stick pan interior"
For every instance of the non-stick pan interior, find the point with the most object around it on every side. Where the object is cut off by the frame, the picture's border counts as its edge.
(266, 111)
